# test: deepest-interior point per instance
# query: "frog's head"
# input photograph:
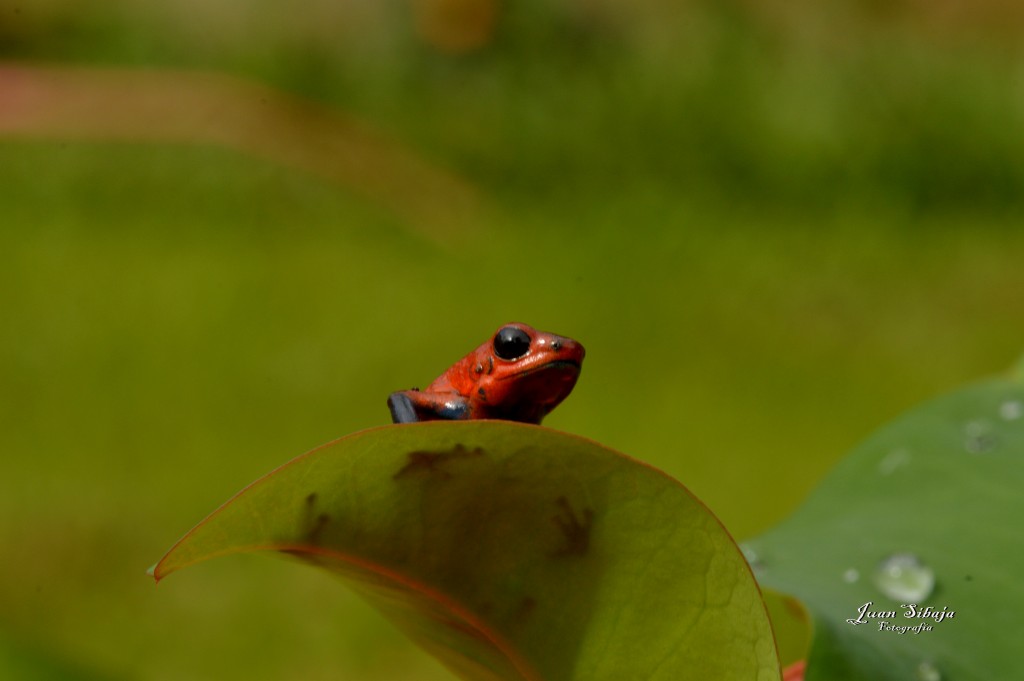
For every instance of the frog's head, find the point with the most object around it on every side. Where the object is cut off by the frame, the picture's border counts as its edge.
(532, 369)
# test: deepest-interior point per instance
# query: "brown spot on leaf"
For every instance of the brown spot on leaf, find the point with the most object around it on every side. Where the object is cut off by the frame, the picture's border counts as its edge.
(523, 611)
(322, 520)
(314, 522)
(575, 529)
(423, 463)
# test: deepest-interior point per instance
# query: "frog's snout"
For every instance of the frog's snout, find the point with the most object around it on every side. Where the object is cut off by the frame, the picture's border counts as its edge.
(568, 349)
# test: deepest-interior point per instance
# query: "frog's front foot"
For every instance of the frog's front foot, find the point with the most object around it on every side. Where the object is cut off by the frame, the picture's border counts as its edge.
(402, 409)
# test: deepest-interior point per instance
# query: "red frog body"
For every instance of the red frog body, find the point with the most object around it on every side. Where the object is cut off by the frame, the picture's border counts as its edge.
(520, 374)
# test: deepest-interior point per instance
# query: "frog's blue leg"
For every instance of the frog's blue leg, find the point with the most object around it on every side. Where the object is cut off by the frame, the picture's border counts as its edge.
(410, 406)
(452, 410)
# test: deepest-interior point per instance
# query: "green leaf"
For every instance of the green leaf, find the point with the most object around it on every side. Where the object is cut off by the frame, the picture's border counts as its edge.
(511, 551)
(941, 484)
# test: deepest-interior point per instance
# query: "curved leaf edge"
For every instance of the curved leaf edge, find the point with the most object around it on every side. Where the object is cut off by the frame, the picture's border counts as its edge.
(161, 569)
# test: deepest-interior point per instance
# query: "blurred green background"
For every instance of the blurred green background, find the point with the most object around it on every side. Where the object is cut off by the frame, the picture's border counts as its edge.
(774, 226)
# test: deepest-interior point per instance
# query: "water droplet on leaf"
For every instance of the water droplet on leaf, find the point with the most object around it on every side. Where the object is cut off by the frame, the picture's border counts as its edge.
(979, 437)
(852, 575)
(903, 577)
(753, 559)
(1011, 410)
(897, 458)
(926, 671)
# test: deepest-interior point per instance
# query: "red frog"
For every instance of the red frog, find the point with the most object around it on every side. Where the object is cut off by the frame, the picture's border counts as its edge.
(521, 374)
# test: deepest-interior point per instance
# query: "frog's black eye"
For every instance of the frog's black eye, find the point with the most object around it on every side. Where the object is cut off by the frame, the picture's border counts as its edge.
(511, 343)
